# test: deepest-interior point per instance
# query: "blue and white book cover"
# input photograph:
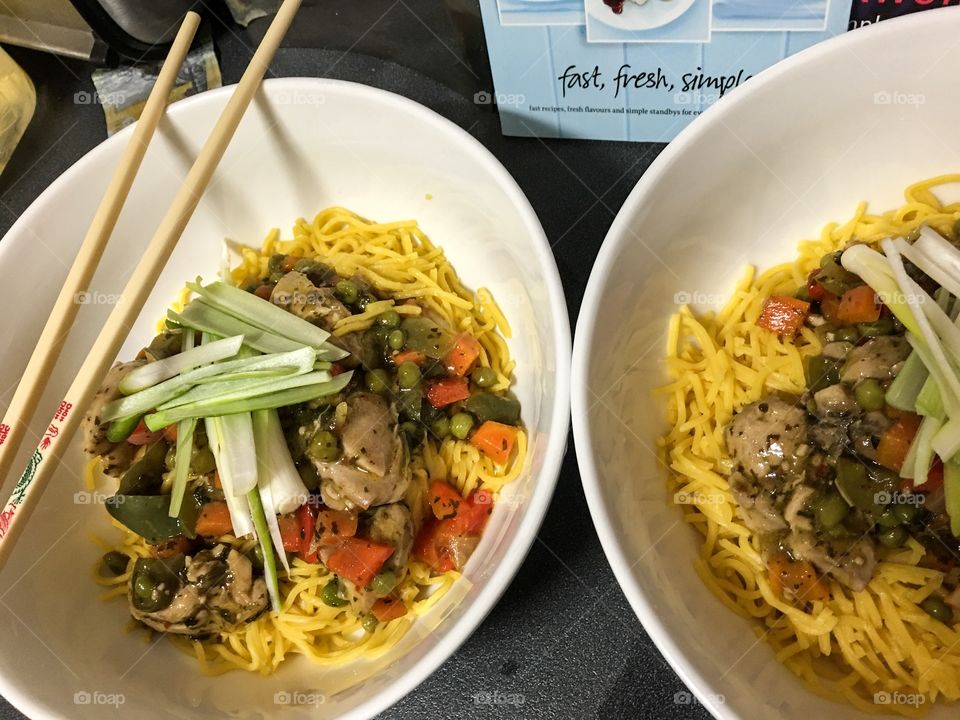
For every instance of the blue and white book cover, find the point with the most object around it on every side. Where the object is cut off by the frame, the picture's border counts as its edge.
(637, 69)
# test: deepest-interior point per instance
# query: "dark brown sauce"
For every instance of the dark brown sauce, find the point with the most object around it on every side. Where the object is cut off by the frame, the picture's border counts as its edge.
(615, 5)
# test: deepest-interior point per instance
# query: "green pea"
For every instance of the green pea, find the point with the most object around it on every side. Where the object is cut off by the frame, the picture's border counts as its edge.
(115, 562)
(377, 381)
(408, 375)
(484, 377)
(869, 394)
(893, 537)
(383, 583)
(323, 446)
(831, 510)
(888, 519)
(846, 334)
(203, 461)
(905, 512)
(370, 623)
(331, 594)
(390, 319)
(460, 425)
(396, 339)
(440, 427)
(937, 609)
(347, 291)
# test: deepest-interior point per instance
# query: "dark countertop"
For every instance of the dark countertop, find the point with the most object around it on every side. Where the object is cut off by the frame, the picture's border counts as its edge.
(563, 638)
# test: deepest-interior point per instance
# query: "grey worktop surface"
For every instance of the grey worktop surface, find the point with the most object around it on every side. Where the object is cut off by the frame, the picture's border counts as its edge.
(563, 638)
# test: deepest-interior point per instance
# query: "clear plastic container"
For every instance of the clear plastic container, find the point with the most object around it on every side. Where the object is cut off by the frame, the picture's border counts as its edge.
(18, 100)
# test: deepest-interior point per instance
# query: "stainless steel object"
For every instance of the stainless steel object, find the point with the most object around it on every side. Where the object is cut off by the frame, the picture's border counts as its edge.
(137, 29)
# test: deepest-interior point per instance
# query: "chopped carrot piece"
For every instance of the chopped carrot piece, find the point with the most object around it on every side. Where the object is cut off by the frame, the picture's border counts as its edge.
(444, 500)
(783, 314)
(388, 608)
(858, 305)
(895, 442)
(465, 351)
(797, 576)
(830, 308)
(413, 356)
(214, 520)
(359, 560)
(288, 262)
(447, 391)
(496, 440)
(335, 525)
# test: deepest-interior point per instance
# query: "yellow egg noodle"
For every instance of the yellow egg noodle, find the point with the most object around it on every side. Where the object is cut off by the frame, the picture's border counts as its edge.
(875, 649)
(400, 260)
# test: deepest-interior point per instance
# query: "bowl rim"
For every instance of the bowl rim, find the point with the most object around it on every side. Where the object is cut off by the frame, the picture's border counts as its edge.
(616, 237)
(555, 447)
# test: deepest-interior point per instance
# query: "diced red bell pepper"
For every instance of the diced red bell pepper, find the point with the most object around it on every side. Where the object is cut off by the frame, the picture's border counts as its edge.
(413, 356)
(815, 290)
(335, 525)
(783, 314)
(447, 391)
(290, 532)
(142, 435)
(307, 519)
(441, 542)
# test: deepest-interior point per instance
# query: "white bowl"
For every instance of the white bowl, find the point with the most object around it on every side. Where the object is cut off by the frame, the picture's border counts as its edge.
(304, 144)
(859, 117)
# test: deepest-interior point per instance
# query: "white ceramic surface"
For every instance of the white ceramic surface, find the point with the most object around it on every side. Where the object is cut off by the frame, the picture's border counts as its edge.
(305, 144)
(652, 14)
(859, 117)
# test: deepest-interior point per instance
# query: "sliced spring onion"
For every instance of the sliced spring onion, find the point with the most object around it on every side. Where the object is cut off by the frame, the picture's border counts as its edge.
(875, 271)
(206, 318)
(951, 489)
(250, 375)
(260, 313)
(929, 400)
(282, 398)
(947, 440)
(238, 506)
(185, 430)
(903, 391)
(923, 455)
(242, 389)
(277, 469)
(238, 454)
(121, 428)
(269, 562)
(148, 375)
(937, 373)
(148, 399)
(935, 256)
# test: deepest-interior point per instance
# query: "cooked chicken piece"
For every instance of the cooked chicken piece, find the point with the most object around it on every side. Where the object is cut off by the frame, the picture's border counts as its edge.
(390, 525)
(373, 468)
(850, 561)
(117, 457)
(830, 435)
(767, 437)
(768, 445)
(880, 358)
(798, 503)
(295, 293)
(835, 401)
(866, 431)
(217, 593)
(837, 350)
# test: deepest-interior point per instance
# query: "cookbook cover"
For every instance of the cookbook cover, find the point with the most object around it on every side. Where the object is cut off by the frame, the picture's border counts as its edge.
(643, 69)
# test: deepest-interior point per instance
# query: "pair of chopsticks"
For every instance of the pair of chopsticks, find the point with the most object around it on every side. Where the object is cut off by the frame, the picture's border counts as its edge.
(54, 443)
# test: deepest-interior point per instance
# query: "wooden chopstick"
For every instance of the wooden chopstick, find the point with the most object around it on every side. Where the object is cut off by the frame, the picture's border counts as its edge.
(47, 351)
(78, 398)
